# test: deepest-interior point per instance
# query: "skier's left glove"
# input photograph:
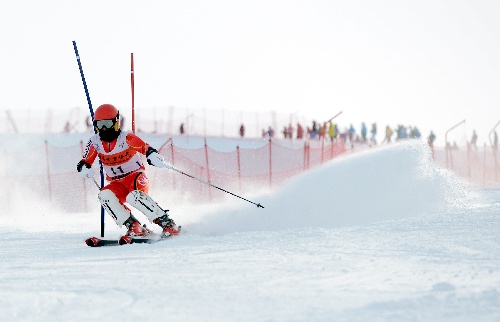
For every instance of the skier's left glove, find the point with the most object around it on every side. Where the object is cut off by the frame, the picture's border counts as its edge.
(156, 159)
(85, 170)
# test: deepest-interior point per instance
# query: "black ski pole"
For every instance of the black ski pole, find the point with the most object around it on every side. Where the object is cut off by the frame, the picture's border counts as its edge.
(211, 185)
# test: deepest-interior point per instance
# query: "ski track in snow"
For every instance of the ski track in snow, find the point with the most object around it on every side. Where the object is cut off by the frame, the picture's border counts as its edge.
(381, 235)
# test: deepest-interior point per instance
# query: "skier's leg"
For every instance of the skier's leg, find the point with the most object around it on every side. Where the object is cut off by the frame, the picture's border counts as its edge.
(139, 198)
(153, 211)
(113, 206)
(145, 204)
(112, 198)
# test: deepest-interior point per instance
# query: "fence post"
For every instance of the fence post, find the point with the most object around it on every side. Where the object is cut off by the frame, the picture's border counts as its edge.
(447, 148)
(306, 156)
(48, 169)
(484, 166)
(270, 163)
(208, 170)
(173, 162)
(494, 147)
(468, 160)
(238, 155)
(496, 170)
(323, 146)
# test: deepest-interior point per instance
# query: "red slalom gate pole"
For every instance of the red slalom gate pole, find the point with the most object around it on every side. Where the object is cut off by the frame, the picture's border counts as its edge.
(132, 87)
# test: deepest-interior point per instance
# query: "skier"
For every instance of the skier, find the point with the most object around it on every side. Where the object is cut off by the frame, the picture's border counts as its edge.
(120, 154)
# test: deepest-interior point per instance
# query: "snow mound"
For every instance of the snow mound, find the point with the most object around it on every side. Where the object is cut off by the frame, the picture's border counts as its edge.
(386, 183)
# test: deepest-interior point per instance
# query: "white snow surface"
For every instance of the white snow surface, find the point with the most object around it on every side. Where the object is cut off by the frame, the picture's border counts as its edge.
(381, 235)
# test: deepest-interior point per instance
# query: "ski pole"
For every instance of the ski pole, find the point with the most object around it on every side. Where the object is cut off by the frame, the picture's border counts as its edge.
(211, 185)
(96, 184)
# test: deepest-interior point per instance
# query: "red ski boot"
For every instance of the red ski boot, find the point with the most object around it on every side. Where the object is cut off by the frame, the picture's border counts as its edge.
(134, 230)
(168, 225)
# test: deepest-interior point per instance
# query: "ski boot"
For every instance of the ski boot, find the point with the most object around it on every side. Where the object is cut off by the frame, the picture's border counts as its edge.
(134, 227)
(134, 230)
(168, 225)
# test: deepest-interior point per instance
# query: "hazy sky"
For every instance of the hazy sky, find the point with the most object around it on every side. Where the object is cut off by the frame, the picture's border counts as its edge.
(426, 63)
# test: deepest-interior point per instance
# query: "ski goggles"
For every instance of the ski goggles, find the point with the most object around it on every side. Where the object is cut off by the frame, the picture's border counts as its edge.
(100, 124)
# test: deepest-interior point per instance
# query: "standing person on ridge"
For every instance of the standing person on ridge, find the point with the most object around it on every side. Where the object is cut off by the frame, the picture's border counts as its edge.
(388, 134)
(242, 130)
(120, 154)
(373, 131)
(473, 140)
(363, 132)
(331, 131)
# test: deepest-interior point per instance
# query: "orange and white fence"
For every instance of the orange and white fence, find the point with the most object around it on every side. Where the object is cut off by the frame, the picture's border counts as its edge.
(478, 166)
(52, 172)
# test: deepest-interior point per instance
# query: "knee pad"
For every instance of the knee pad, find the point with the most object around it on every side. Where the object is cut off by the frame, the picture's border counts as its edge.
(113, 207)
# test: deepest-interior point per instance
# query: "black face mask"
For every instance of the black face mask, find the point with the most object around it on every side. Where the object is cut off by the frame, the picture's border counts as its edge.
(109, 135)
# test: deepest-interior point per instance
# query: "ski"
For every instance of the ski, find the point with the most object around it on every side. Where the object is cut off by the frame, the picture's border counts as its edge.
(97, 242)
(125, 240)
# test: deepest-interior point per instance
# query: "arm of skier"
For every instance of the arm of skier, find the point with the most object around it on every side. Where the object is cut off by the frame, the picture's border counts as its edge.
(84, 167)
(154, 158)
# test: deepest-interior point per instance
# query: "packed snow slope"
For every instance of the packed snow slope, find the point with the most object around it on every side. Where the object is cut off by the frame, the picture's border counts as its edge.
(380, 235)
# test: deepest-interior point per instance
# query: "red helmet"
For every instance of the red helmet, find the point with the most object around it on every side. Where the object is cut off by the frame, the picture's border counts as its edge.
(106, 112)
(108, 115)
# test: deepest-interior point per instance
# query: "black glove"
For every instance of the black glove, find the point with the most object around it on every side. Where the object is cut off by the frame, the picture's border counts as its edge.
(80, 165)
(149, 152)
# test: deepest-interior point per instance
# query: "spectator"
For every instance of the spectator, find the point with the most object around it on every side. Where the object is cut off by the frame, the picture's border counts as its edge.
(363, 132)
(242, 130)
(290, 131)
(300, 131)
(343, 136)
(321, 130)
(351, 132)
(181, 129)
(270, 132)
(285, 132)
(414, 133)
(88, 123)
(314, 131)
(401, 133)
(388, 134)
(331, 131)
(473, 140)
(373, 131)
(68, 127)
(430, 140)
